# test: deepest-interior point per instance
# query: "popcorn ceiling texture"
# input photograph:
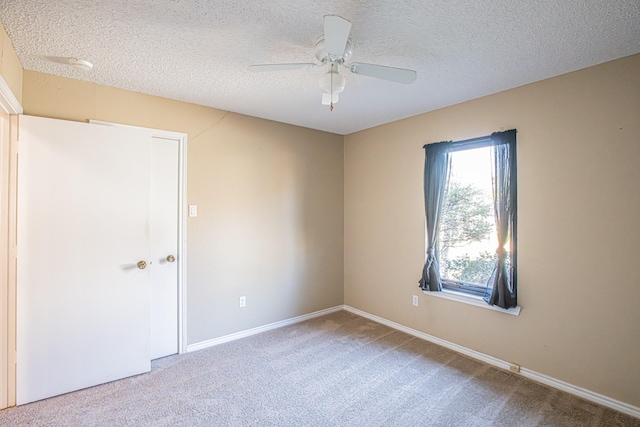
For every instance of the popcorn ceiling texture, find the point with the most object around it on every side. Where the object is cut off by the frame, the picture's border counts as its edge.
(198, 50)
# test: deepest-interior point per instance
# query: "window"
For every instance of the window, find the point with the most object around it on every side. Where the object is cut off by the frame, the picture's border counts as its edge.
(470, 206)
(467, 234)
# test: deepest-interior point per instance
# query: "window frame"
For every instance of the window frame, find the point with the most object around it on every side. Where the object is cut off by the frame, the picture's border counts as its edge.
(474, 289)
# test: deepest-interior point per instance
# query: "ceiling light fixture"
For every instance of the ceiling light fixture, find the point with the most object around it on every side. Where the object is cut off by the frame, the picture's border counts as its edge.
(80, 64)
(331, 84)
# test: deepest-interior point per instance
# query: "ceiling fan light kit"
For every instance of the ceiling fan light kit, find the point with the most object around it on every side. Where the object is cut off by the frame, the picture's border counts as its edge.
(330, 99)
(332, 82)
(333, 49)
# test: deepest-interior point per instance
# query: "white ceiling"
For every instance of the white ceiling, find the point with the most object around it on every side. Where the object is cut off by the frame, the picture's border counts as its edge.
(198, 50)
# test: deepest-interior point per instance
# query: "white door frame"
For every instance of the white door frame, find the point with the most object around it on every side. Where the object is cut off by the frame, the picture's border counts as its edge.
(9, 104)
(181, 138)
(10, 108)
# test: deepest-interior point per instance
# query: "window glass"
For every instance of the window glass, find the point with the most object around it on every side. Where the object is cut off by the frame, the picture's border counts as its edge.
(467, 239)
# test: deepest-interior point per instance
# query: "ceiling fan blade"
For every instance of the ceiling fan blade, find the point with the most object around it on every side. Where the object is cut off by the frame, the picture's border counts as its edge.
(399, 75)
(280, 67)
(327, 98)
(336, 34)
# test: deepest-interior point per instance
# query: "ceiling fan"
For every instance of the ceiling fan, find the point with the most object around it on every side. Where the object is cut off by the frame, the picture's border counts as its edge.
(333, 50)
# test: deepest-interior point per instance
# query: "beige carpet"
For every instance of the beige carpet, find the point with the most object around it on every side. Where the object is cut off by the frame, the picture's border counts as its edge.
(336, 370)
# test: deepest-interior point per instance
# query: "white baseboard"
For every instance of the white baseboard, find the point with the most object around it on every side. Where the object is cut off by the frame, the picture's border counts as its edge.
(246, 333)
(600, 399)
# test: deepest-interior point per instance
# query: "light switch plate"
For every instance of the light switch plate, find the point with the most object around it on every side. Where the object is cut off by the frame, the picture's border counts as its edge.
(193, 210)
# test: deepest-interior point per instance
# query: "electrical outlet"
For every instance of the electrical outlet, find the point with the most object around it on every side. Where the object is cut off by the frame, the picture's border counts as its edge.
(243, 301)
(415, 300)
(514, 368)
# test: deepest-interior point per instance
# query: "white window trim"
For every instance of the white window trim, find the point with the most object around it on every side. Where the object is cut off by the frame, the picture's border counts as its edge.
(471, 300)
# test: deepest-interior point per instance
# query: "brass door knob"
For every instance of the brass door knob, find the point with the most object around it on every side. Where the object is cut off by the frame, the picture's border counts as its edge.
(142, 265)
(171, 258)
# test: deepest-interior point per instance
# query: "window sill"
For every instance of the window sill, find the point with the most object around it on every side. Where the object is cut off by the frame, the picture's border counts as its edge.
(471, 300)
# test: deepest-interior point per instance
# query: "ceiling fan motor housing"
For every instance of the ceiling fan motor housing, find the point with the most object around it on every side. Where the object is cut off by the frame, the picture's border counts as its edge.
(325, 57)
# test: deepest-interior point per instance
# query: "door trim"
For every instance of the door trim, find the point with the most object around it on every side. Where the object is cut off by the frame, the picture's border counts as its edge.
(181, 138)
(10, 108)
(8, 101)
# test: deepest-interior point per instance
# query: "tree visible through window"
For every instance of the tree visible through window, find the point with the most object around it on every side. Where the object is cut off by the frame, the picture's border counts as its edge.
(467, 240)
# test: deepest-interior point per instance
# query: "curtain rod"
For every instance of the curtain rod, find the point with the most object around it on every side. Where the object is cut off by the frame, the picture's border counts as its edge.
(480, 141)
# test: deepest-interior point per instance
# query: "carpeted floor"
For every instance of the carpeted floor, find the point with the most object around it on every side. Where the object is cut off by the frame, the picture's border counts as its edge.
(336, 370)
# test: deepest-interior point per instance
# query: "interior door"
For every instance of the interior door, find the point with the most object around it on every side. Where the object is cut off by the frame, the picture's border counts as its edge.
(83, 304)
(164, 247)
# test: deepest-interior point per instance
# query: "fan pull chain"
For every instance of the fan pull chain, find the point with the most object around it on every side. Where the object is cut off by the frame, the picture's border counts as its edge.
(331, 89)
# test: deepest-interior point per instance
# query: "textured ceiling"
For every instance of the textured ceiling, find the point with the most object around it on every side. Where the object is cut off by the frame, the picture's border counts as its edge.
(198, 50)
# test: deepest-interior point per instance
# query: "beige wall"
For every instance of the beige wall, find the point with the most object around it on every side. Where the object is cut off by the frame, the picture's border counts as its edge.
(269, 196)
(579, 227)
(10, 68)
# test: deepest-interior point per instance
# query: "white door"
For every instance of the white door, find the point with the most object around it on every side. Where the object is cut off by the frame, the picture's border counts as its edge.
(83, 305)
(164, 247)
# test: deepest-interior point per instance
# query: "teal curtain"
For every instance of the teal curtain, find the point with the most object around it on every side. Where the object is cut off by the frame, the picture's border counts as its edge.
(501, 289)
(437, 167)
